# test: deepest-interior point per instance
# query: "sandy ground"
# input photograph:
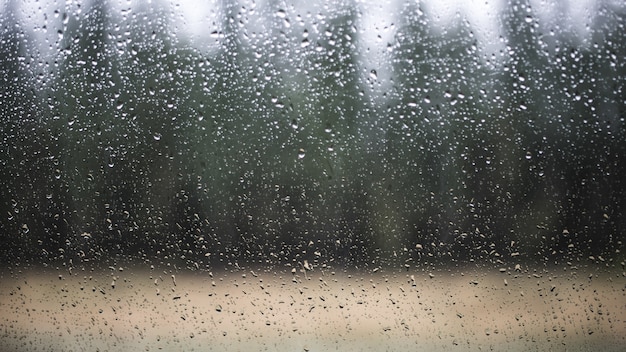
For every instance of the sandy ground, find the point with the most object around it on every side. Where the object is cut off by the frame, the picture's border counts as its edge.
(256, 310)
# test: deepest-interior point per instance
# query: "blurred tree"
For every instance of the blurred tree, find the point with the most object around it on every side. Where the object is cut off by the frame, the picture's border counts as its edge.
(558, 157)
(32, 199)
(116, 108)
(156, 111)
(410, 166)
(589, 91)
(331, 108)
(433, 124)
(523, 206)
(80, 105)
(296, 101)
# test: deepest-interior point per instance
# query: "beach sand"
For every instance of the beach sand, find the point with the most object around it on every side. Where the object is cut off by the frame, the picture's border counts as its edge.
(139, 309)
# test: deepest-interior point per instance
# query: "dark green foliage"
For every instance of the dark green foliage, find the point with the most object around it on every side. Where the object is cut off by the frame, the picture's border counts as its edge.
(277, 145)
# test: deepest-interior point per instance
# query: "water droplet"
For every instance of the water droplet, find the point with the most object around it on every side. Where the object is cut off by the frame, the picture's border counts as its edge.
(373, 74)
(157, 136)
(301, 153)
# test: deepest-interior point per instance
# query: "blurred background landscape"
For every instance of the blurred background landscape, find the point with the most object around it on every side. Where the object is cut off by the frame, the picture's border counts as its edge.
(342, 133)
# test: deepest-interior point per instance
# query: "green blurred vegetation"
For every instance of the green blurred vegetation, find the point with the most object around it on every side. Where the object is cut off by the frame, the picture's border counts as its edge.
(120, 139)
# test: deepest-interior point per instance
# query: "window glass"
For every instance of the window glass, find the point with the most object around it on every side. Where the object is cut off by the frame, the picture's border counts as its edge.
(317, 175)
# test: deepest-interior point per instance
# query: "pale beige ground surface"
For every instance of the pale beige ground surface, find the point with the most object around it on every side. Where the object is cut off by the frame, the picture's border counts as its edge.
(255, 310)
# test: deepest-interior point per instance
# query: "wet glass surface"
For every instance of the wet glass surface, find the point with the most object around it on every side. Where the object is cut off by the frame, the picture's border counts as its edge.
(352, 175)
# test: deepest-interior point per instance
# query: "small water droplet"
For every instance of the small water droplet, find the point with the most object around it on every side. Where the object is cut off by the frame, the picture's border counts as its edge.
(157, 136)
(301, 153)
(373, 74)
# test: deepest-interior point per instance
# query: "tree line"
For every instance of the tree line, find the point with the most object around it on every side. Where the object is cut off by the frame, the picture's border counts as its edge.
(122, 140)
